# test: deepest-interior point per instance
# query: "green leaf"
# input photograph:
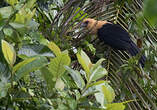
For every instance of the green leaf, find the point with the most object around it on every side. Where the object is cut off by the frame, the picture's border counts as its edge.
(115, 106)
(85, 62)
(76, 77)
(72, 104)
(24, 16)
(98, 63)
(31, 92)
(108, 93)
(54, 48)
(8, 31)
(30, 3)
(59, 84)
(4, 86)
(150, 10)
(100, 98)
(9, 53)
(17, 25)
(48, 77)
(90, 91)
(97, 73)
(28, 65)
(35, 50)
(96, 83)
(5, 12)
(57, 64)
(12, 2)
(23, 63)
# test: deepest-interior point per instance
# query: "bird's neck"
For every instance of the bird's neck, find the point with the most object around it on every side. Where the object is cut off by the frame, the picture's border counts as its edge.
(96, 25)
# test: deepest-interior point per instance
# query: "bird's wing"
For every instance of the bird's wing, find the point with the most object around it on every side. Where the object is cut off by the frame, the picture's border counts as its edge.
(114, 36)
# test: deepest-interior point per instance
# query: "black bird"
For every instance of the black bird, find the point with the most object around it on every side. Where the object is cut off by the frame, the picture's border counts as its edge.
(114, 36)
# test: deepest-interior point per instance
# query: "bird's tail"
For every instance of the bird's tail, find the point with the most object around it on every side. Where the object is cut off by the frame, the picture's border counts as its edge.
(134, 50)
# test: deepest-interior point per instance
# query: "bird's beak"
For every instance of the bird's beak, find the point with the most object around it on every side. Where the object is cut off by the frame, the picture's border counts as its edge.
(83, 25)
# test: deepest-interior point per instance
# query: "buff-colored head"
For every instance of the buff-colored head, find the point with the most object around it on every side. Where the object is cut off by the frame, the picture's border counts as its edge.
(92, 25)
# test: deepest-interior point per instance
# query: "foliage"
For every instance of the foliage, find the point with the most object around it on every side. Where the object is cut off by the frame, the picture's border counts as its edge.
(150, 10)
(43, 65)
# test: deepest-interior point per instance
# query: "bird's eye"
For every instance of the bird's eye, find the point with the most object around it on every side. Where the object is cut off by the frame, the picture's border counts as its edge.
(86, 22)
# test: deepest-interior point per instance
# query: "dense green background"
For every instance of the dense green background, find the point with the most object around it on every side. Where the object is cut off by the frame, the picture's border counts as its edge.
(47, 62)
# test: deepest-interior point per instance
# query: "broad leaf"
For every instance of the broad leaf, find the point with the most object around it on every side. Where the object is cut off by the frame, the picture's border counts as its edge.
(90, 91)
(57, 64)
(5, 12)
(54, 48)
(98, 63)
(76, 77)
(12, 2)
(97, 73)
(30, 3)
(23, 63)
(24, 16)
(59, 84)
(9, 53)
(18, 26)
(85, 62)
(100, 98)
(150, 11)
(96, 83)
(28, 65)
(115, 106)
(48, 77)
(106, 94)
(4, 86)
(34, 50)
(8, 31)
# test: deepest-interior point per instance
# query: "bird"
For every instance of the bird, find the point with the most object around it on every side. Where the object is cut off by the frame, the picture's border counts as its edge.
(113, 35)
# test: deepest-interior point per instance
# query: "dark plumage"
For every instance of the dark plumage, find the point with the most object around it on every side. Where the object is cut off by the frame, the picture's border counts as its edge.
(114, 36)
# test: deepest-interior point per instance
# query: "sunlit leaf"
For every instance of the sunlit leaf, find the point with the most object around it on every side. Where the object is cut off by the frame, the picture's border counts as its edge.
(12, 2)
(108, 93)
(100, 98)
(30, 3)
(28, 65)
(105, 95)
(5, 12)
(57, 64)
(85, 62)
(24, 16)
(21, 64)
(115, 106)
(59, 84)
(54, 48)
(97, 73)
(9, 52)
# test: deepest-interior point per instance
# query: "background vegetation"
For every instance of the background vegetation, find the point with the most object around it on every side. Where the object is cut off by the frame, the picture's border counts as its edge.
(48, 62)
